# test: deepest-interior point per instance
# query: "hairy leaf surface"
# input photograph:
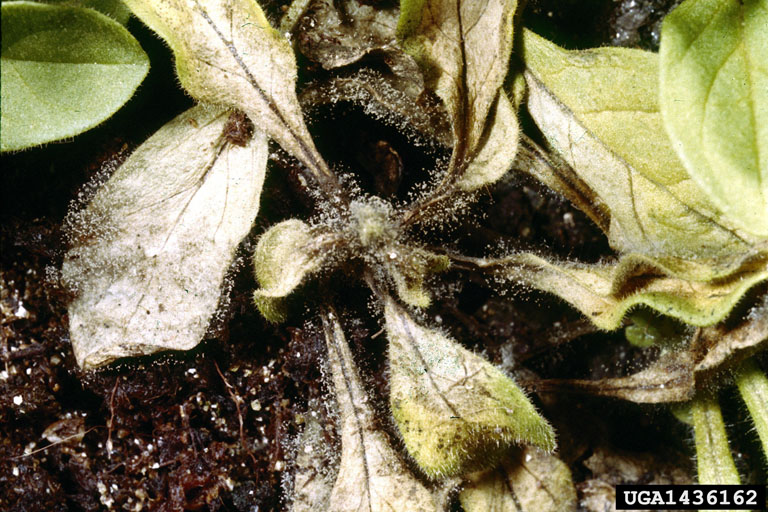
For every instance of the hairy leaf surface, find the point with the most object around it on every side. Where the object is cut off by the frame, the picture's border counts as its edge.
(528, 480)
(285, 254)
(604, 292)
(53, 59)
(455, 410)
(464, 48)
(599, 109)
(227, 53)
(115, 9)
(714, 98)
(371, 475)
(152, 248)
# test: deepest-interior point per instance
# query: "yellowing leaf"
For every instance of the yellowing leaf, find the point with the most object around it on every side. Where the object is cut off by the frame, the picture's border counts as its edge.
(53, 59)
(285, 254)
(464, 47)
(227, 53)
(152, 248)
(528, 480)
(371, 475)
(408, 271)
(599, 109)
(455, 411)
(604, 292)
(714, 98)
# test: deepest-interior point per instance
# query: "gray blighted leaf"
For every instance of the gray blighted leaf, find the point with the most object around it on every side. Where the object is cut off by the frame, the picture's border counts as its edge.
(463, 47)
(371, 475)
(315, 465)
(455, 411)
(680, 370)
(528, 480)
(335, 34)
(227, 53)
(284, 255)
(609, 467)
(599, 109)
(714, 97)
(150, 251)
(729, 344)
(668, 379)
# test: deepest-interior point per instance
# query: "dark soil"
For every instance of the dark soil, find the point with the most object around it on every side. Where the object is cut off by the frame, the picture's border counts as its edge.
(213, 428)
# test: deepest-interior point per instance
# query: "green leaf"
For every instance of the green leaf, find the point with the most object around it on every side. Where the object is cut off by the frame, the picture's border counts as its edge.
(464, 47)
(115, 9)
(604, 292)
(599, 109)
(648, 329)
(455, 411)
(714, 98)
(714, 462)
(371, 475)
(227, 53)
(64, 70)
(285, 254)
(151, 250)
(528, 480)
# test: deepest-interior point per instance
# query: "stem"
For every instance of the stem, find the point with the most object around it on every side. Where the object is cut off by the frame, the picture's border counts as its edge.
(714, 462)
(753, 386)
(291, 17)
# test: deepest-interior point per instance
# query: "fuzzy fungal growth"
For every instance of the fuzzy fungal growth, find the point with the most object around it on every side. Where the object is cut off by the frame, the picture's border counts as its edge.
(154, 244)
(372, 225)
